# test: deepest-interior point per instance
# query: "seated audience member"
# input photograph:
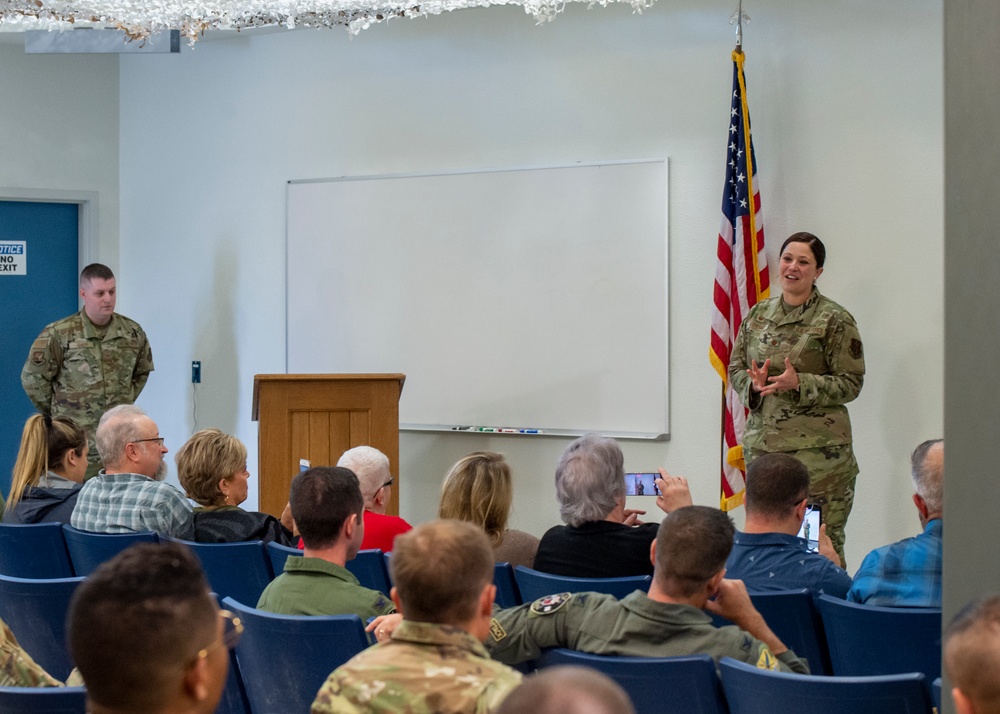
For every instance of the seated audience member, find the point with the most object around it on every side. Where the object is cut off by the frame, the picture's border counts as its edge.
(908, 573)
(51, 463)
(601, 538)
(435, 660)
(478, 489)
(129, 494)
(17, 668)
(972, 657)
(146, 635)
(568, 690)
(689, 554)
(212, 468)
(326, 505)
(371, 467)
(768, 554)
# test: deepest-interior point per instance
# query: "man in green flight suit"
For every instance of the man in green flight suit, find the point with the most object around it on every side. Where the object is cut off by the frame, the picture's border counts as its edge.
(82, 365)
(689, 557)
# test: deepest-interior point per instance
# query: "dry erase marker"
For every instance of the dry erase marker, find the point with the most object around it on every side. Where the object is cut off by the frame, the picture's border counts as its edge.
(462, 428)
(529, 431)
(509, 431)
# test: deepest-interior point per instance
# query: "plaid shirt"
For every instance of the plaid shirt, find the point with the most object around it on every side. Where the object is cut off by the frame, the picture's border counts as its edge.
(127, 503)
(903, 574)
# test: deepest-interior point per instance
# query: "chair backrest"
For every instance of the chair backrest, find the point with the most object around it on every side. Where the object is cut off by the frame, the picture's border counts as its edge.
(370, 569)
(936, 693)
(238, 570)
(234, 694)
(866, 640)
(35, 610)
(534, 584)
(507, 593)
(794, 618)
(43, 700)
(760, 691)
(34, 550)
(661, 685)
(284, 659)
(88, 550)
(279, 554)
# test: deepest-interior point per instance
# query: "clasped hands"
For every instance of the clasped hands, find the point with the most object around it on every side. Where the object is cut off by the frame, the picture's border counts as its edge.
(784, 382)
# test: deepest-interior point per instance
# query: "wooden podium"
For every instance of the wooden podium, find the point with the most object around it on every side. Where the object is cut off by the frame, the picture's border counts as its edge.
(319, 417)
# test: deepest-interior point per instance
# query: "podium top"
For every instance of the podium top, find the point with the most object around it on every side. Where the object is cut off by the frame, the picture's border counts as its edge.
(259, 379)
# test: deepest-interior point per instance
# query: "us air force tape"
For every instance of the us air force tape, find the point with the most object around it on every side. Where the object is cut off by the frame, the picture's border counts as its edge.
(550, 603)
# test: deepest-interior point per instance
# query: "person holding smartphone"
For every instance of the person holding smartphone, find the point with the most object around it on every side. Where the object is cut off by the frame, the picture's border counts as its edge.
(796, 363)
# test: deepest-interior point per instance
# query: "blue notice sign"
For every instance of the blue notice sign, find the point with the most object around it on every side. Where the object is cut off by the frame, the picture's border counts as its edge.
(13, 258)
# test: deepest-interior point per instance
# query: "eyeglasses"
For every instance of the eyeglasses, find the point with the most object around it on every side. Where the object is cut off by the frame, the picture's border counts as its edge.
(157, 439)
(231, 633)
(388, 483)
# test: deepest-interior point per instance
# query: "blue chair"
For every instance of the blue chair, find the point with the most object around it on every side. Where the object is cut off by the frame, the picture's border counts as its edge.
(936, 693)
(370, 569)
(867, 640)
(238, 570)
(36, 550)
(507, 593)
(284, 659)
(43, 700)
(234, 695)
(760, 691)
(88, 550)
(534, 584)
(279, 554)
(792, 615)
(36, 610)
(656, 685)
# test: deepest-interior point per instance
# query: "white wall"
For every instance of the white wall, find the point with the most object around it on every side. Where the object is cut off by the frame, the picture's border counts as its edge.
(846, 102)
(59, 133)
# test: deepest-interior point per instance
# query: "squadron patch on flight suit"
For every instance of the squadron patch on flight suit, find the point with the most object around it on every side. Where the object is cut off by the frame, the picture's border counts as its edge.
(550, 603)
(766, 659)
(496, 630)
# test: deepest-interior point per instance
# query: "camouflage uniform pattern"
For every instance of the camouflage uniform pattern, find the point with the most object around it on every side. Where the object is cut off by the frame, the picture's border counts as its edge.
(821, 340)
(73, 371)
(424, 669)
(17, 669)
(635, 626)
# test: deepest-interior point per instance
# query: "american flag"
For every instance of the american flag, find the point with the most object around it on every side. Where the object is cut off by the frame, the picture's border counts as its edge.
(741, 277)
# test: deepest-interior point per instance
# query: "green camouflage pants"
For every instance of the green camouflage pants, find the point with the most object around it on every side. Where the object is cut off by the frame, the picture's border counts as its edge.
(832, 471)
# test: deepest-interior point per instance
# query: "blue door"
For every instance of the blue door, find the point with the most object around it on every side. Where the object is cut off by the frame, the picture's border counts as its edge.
(29, 302)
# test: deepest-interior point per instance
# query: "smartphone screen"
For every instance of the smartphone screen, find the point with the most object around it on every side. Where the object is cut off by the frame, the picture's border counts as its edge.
(810, 526)
(642, 483)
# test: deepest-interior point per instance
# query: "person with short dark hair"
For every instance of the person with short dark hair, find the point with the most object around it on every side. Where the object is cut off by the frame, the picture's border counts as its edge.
(601, 538)
(689, 555)
(129, 495)
(146, 635)
(568, 690)
(84, 364)
(326, 505)
(435, 659)
(768, 555)
(907, 573)
(972, 657)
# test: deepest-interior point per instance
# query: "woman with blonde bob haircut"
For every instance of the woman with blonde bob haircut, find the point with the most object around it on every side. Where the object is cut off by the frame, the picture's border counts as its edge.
(51, 463)
(212, 468)
(478, 489)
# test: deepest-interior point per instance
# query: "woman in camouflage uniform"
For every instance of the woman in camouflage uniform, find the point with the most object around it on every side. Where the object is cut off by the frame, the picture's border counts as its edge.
(796, 363)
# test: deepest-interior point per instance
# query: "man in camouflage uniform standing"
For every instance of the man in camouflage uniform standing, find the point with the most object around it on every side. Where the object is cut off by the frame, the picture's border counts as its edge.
(435, 661)
(796, 363)
(84, 364)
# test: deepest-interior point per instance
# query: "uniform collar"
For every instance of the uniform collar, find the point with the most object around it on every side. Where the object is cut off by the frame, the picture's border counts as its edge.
(302, 564)
(91, 331)
(429, 633)
(775, 311)
(644, 606)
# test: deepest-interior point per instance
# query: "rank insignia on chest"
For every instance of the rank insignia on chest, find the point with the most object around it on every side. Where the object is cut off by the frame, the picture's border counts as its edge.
(550, 603)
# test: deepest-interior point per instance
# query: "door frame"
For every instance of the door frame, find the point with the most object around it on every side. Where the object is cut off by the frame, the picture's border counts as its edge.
(86, 200)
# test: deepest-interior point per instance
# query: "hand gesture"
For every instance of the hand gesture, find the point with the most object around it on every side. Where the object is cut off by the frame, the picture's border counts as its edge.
(383, 626)
(674, 492)
(784, 382)
(632, 517)
(758, 375)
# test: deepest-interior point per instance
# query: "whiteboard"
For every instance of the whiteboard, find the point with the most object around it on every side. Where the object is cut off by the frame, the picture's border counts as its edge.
(524, 298)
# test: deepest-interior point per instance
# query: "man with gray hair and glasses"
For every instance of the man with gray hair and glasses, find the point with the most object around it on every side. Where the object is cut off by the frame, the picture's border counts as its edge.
(908, 573)
(601, 538)
(129, 494)
(371, 467)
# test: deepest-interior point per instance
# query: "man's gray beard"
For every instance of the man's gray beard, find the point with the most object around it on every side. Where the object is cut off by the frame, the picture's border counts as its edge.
(161, 472)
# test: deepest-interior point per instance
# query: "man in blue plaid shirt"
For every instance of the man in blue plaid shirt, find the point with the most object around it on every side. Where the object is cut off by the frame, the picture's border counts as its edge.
(908, 573)
(129, 494)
